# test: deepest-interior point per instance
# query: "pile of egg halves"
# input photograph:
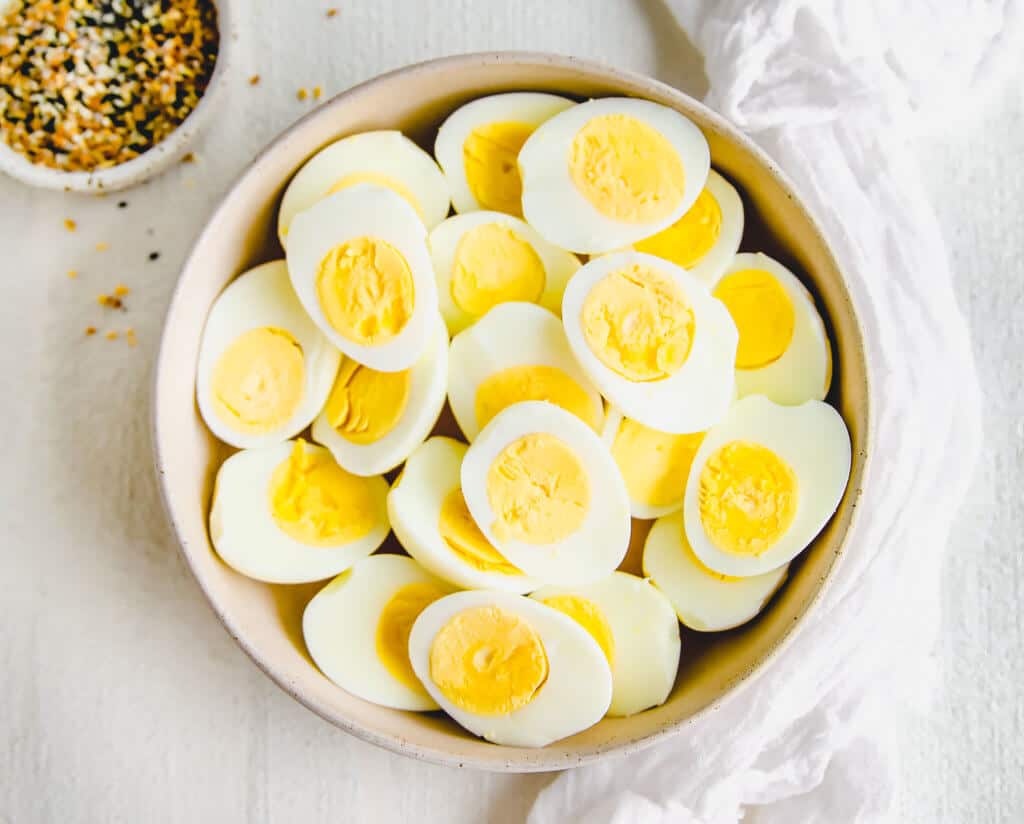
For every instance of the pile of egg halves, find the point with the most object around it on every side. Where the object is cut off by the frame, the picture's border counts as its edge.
(609, 358)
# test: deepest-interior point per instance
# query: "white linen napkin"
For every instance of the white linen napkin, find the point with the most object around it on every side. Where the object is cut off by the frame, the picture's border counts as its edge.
(833, 90)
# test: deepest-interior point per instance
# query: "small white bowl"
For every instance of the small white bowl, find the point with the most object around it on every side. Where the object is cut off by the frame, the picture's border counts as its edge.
(155, 159)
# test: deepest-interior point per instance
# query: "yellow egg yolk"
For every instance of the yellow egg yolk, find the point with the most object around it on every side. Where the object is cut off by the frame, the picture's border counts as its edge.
(638, 323)
(538, 489)
(395, 624)
(654, 465)
(378, 179)
(488, 661)
(258, 382)
(747, 498)
(366, 290)
(533, 383)
(316, 502)
(691, 237)
(627, 170)
(494, 265)
(763, 314)
(464, 538)
(589, 616)
(490, 159)
(364, 404)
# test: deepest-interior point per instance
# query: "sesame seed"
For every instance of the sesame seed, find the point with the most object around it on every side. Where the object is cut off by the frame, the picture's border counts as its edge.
(331, 13)
(129, 333)
(302, 94)
(111, 335)
(90, 330)
(102, 247)
(317, 91)
(121, 290)
(72, 274)
(189, 158)
(69, 224)
(254, 80)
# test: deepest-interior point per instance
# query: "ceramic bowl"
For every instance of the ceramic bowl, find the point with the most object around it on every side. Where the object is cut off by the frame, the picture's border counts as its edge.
(266, 620)
(154, 160)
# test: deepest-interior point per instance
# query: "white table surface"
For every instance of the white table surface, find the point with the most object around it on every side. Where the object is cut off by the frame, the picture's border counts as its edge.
(122, 698)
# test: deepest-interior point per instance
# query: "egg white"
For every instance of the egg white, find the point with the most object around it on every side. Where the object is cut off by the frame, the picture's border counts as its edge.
(813, 440)
(340, 629)
(387, 153)
(694, 397)
(443, 241)
(261, 297)
(246, 536)
(578, 688)
(646, 639)
(365, 211)
(555, 207)
(511, 334)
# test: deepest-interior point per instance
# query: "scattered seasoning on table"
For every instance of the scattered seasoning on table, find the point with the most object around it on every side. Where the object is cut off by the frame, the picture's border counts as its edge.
(72, 274)
(110, 301)
(89, 84)
(302, 94)
(254, 80)
(102, 247)
(123, 204)
(111, 335)
(69, 224)
(317, 91)
(121, 290)
(154, 255)
(90, 330)
(331, 13)
(129, 334)
(189, 158)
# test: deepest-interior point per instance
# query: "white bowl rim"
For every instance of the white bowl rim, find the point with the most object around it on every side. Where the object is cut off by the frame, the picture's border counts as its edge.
(542, 760)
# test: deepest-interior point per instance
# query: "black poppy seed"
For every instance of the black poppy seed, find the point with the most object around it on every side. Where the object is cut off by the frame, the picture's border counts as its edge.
(154, 255)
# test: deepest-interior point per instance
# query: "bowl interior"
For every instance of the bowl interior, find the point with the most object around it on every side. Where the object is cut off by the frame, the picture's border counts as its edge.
(265, 619)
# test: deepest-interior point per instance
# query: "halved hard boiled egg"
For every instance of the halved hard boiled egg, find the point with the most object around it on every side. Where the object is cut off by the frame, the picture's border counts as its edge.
(357, 629)
(653, 340)
(764, 483)
(429, 516)
(705, 239)
(482, 259)
(264, 368)
(288, 514)
(383, 158)
(478, 146)
(516, 352)
(372, 420)
(610, 172)
(783, 353)
(704, 600)
(359, 263)
(544, 490)
(510, 669)
(637, 630)
(655, 465)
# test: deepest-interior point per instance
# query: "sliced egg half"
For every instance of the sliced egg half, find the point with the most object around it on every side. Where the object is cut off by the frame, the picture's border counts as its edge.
(264, 368)
(478, 146)
(764, 483)
(384, 158)
(783, 353)
(482, 259)
(544, 490)
(636, 628)
(357, 629)
(289, 514)
(372, 420)
(510, 669)
(359, 263)
(610, 172)
(653, 340)
(430, 518)
(655, 465)
(704, 600)
(705, 239)
(516, 352)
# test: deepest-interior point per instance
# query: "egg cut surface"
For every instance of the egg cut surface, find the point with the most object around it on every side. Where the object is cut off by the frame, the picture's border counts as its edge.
(429, 516)
(705, 239)
(264, 368)
(653, 340)
(383, 158)
(654, 465)
(510, 669)
(516, 352)
(783, 353)
(636, 628)
(357, 629)
(372, 420)
(704, 600)
(764, 483)
(544, 490)
(478, 148)
(610, 172)
(482, 259)
(288, 514)
(359, 264)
